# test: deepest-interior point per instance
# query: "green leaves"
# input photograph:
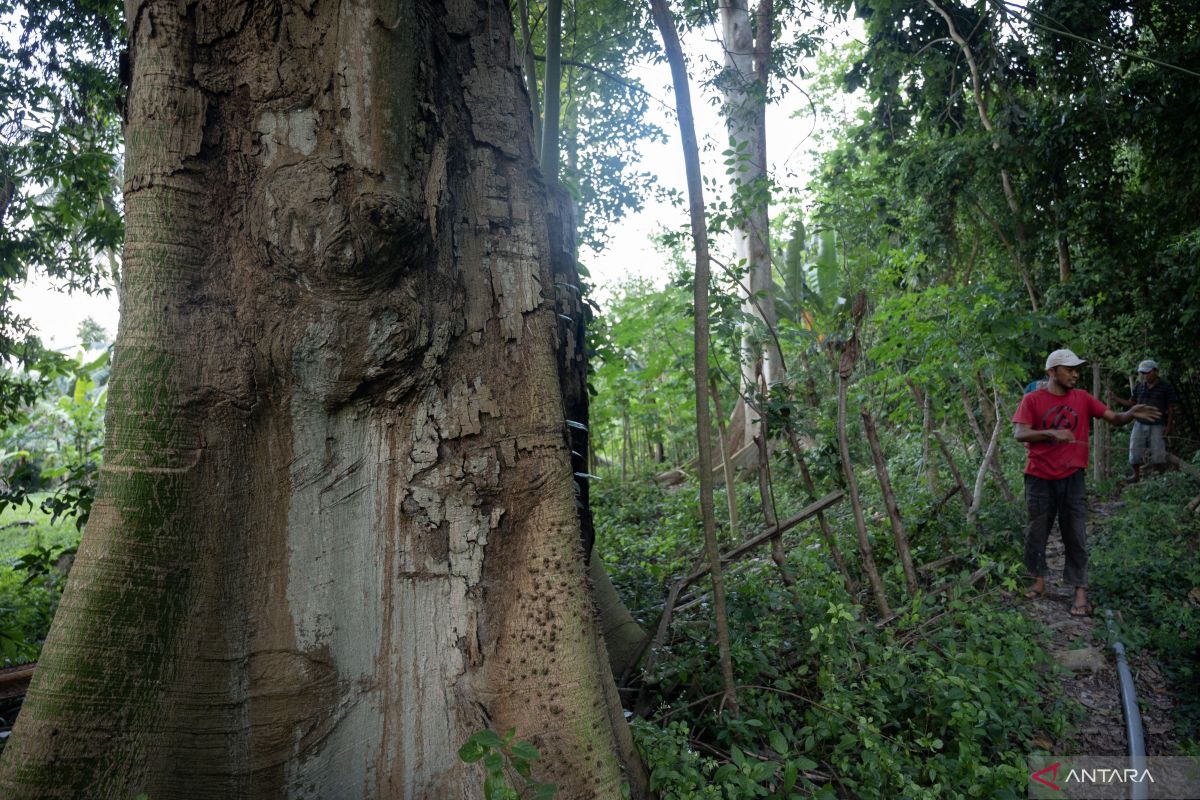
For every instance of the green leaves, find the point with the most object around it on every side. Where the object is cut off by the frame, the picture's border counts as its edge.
(501, 756)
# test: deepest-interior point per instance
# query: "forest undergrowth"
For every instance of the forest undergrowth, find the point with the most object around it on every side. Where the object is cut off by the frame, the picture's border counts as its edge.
(1146, 565)
(946, 699)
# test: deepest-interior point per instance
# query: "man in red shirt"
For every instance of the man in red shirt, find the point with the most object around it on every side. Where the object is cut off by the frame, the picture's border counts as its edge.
(1053, 425)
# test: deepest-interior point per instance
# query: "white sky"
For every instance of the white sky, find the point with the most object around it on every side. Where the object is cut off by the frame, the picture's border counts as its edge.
(57, 315)
(791, 139)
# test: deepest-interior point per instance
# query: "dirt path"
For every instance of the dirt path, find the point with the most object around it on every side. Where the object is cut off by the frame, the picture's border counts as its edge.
(1080, 646)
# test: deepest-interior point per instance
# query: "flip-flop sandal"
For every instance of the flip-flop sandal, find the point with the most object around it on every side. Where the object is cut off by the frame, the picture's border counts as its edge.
(1084, 610)
(1034, 594)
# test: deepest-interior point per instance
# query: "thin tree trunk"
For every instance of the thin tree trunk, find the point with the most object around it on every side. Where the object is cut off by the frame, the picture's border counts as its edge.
(926, 434)
(625, 446)
(1010, 194)
(977, 496)
(1064, 258)
(986, 408)
(994, 462)
(691, 153)
(860, 524)
(531, 81)
(768, 510)
(849, 355)
(958, 481)
(726, 462)
(747, 53)
(889, 501)
(922, 400)
(553, 91)
(826, 532)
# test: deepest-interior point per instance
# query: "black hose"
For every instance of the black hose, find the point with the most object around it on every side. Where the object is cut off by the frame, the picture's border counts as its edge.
(1133, 717)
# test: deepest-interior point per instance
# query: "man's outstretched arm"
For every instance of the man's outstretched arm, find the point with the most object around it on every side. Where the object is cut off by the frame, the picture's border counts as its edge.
(1143, 412)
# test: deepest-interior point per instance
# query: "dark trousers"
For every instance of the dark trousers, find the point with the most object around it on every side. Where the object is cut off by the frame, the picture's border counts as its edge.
(1065, 500)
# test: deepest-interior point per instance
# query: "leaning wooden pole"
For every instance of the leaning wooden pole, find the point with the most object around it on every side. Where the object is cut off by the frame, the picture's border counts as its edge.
(922, 399)
(993, 463)
(726, 460)
(958, 481)
(889, 500)
(691, 155)
(826, 532)
(845, 369)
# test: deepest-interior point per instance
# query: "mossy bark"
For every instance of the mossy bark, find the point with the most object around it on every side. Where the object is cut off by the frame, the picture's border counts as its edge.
(336, 529)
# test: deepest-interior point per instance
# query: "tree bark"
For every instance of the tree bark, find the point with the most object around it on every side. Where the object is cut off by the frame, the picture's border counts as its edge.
(744, 84)
(691, 153)
(335, 531)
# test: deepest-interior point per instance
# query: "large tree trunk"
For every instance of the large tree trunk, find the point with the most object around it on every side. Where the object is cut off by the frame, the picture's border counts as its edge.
(335, 531)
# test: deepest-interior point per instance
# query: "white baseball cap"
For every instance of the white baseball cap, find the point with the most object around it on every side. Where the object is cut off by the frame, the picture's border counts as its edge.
(1147, 365)
(1063, 358)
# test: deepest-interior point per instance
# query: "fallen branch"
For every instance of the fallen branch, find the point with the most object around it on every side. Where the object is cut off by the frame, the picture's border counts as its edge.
(14, 681)
(889, 501)
(831, 499)
(941, 562)
(826, 532)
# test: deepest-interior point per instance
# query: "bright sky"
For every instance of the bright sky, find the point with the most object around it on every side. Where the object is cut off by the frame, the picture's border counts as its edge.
(57, 315)
(790, 145)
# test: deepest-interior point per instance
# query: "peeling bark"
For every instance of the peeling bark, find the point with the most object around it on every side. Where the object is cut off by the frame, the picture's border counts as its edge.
(335, 531)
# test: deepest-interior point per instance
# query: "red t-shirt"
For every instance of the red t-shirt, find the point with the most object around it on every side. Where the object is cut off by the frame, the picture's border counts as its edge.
(1041, 410)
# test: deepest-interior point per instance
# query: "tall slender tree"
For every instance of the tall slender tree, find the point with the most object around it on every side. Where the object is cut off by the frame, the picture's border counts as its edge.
(691, 154)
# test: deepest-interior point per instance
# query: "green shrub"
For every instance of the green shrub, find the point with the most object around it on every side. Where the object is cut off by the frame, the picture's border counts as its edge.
(942, 702)
(31, 582)
(1144, 563)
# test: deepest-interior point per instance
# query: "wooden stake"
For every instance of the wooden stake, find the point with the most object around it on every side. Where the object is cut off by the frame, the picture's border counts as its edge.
(889, 502)
(826, 531)
(845, 369)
